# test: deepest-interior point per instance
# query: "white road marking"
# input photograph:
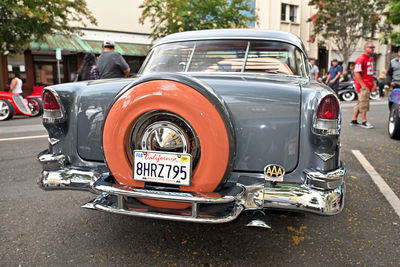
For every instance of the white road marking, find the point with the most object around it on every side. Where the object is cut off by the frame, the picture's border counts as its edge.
(22, 128)
(23, 137)
(390, 196)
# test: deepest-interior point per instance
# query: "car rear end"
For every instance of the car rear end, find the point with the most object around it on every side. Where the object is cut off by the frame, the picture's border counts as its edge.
(198, 146)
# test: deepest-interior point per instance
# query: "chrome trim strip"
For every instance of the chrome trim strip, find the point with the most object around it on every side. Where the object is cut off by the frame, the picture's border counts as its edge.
(229, 38)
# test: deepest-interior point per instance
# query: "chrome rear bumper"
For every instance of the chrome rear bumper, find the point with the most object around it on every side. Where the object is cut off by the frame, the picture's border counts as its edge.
(312, 196)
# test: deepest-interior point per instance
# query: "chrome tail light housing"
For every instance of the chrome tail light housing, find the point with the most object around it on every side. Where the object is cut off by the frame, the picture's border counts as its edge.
(328, 116)
(52, 108)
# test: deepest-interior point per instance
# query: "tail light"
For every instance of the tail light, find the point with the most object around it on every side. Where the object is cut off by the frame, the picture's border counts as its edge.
(327, 119)
(52, 107)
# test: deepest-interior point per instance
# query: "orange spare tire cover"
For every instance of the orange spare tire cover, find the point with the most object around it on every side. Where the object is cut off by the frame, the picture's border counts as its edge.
(184, 101)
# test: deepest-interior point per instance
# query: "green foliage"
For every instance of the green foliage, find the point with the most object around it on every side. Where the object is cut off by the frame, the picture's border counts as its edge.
(170, 16)
(393, 18)
(344, 22)
(22, 21)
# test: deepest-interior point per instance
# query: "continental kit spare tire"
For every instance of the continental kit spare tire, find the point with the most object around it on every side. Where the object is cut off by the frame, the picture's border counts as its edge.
(188, 109)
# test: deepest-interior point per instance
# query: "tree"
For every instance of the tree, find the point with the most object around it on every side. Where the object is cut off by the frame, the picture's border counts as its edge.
(170, 16)
(22, 21)
(345, 22)
(393, 18)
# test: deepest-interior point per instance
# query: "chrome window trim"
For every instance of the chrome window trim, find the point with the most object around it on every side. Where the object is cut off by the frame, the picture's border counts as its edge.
(244, 38)
(248, 39)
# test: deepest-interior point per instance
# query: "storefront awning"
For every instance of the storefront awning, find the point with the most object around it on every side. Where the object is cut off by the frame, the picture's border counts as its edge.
(76, 44)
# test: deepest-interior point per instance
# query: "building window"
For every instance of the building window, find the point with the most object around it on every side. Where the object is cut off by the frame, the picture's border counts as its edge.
(293, 13)
(283, 12)
(291, 10)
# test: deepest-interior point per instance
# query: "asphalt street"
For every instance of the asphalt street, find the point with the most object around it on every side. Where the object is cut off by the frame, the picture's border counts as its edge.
(50, 229)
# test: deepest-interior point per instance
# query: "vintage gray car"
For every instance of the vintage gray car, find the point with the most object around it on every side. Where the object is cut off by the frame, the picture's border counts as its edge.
(216, 122)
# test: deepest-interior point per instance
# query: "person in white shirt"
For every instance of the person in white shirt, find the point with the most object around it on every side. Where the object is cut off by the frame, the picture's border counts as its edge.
(16, 83)
(314, 70)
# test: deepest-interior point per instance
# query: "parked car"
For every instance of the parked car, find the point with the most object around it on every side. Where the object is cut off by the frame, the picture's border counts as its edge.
(14, 104)
(394, 114)
(347, 91)
(217, 122)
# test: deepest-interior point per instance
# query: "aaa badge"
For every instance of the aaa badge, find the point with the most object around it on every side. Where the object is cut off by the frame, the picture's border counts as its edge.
(274, 173)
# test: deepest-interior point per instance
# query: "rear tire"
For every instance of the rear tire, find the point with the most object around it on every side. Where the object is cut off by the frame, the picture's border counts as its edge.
(36, 106)
(394, 123)
(6, 110)
(348, 96)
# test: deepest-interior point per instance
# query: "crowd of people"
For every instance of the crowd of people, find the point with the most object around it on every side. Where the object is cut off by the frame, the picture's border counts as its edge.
(363, 79)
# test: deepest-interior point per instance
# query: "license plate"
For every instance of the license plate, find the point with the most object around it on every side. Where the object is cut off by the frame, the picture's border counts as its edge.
(162, 167)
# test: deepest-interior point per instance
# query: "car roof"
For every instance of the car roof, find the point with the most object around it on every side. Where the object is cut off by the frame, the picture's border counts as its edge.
(243, 34)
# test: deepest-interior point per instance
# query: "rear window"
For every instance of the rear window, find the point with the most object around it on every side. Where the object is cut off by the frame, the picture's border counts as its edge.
(270, 57)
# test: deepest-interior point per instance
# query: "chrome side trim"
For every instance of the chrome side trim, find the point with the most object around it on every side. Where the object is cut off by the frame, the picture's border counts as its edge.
(21, 104)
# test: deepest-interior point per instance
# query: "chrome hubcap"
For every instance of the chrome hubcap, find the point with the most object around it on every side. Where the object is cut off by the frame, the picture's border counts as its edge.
(164, 136)
(33, 106)
(165, 132)
(3, 110)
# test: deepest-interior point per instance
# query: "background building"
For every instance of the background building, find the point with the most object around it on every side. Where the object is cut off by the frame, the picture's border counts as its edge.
(118, 21)
(292, 16)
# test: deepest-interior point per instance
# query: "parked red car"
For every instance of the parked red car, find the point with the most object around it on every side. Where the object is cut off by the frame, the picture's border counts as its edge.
(14, 104)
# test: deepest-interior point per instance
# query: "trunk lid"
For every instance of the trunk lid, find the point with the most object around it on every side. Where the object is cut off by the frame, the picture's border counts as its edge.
(266, 118)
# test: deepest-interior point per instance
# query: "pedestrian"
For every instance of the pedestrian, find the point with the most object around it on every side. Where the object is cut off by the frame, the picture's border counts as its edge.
(333, 75)
(381, 82)
(393, 73)
(88, 70)
(16, 83)
(314, 70)
(346, 77)
(111, 64)
(364, 81)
